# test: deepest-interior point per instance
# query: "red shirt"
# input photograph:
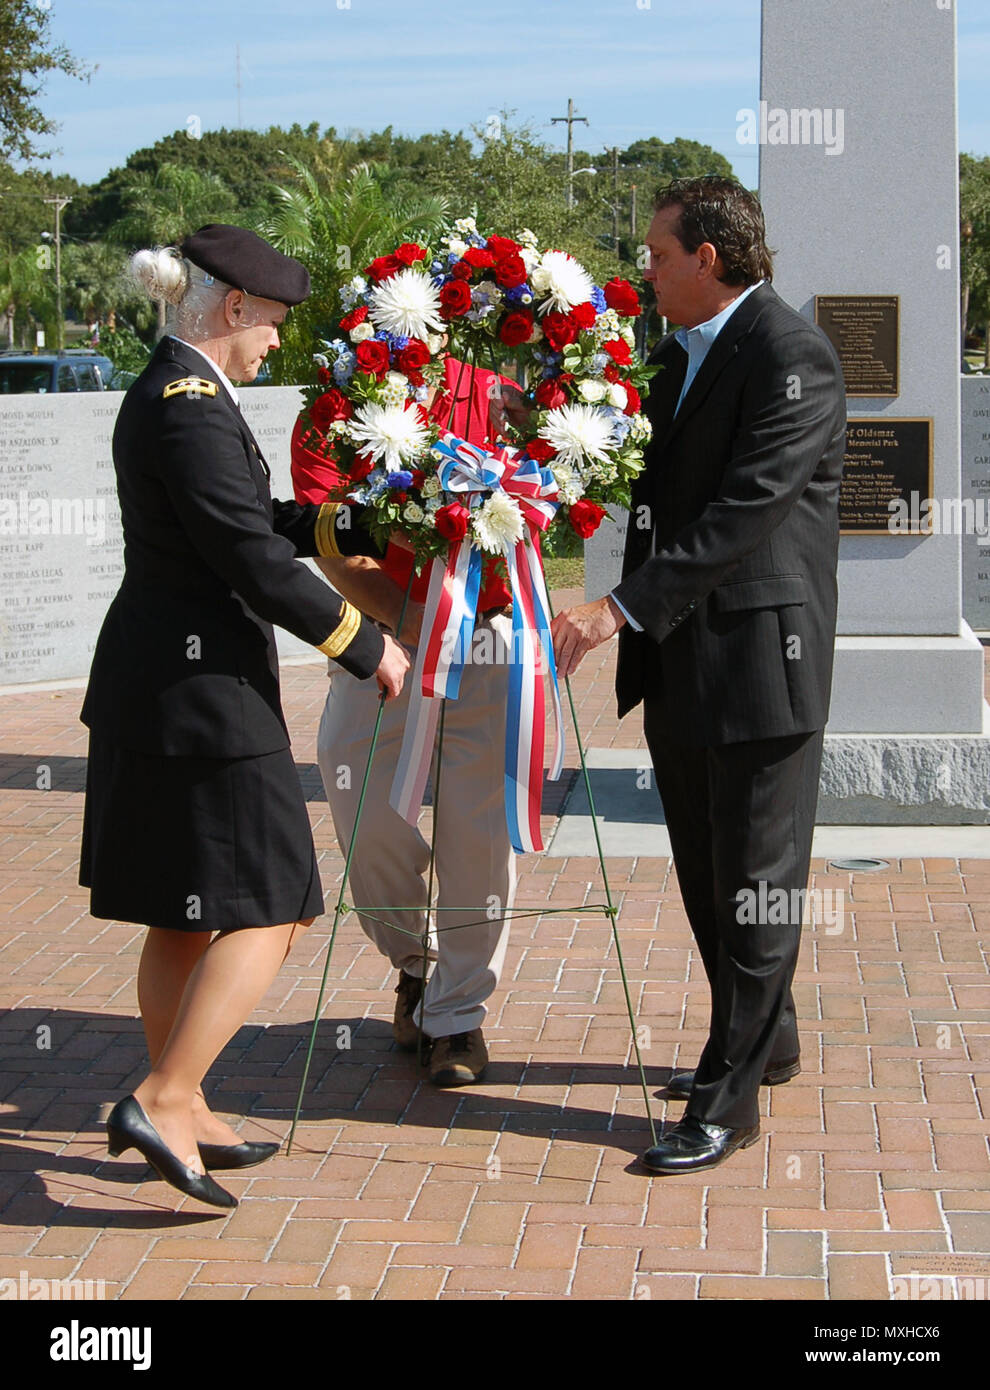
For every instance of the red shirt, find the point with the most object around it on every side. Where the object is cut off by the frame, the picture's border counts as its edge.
(313, 476)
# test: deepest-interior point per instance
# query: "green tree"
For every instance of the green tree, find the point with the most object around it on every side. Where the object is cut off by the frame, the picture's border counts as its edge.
(27, 296)
(98, 288)
(335, 225)
(27, 55)
(247, 162)
(675, 159)
(974, 247)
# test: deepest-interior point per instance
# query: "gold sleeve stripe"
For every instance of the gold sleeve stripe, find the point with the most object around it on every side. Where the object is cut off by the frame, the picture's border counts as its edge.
(344, 633)
(192, 386)
(326, 540)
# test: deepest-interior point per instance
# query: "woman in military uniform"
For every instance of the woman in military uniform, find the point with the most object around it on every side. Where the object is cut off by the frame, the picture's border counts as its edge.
(195, 822)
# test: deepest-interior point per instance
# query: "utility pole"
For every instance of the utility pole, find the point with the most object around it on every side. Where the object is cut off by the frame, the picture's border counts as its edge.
(571, 120)
(632, 213)
(238, 87)
(59, 202)
(615, 200)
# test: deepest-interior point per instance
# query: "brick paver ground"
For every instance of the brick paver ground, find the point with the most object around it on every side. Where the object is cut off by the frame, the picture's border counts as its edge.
(873, 1162)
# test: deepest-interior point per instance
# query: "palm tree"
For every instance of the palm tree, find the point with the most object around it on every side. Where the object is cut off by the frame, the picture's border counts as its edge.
(163, 207)
(27, 292)
(335, 222)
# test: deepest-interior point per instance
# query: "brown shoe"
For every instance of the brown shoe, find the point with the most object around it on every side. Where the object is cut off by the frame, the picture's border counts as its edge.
(408, 992)
(458, 1060)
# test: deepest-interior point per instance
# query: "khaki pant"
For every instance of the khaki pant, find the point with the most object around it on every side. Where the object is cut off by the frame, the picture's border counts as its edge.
(475, 863)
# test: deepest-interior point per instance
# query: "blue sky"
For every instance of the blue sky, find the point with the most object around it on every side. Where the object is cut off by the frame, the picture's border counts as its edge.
(636, 68)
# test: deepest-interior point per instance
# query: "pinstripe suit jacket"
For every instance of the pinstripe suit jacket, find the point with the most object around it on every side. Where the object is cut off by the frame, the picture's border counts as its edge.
(732, 548)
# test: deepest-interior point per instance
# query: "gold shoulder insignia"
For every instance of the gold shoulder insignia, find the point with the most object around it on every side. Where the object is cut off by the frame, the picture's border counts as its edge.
(190, 386)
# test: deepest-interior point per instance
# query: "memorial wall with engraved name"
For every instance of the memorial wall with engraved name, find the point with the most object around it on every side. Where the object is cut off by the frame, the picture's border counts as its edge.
(61, 549)
(976, 489)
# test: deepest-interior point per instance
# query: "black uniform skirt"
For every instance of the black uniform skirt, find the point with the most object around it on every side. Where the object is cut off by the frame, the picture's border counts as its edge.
(197, 844)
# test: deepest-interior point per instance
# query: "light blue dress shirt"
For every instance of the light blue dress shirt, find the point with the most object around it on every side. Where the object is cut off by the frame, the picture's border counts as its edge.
(697, 343)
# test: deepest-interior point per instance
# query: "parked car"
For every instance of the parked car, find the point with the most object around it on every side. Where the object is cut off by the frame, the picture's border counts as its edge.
(76, 369)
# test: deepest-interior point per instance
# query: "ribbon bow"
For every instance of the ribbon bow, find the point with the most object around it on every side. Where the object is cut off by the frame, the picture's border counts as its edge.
(448, 627)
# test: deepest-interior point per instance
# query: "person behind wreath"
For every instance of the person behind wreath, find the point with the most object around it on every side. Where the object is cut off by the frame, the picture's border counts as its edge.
(475, 868)
(195, 823)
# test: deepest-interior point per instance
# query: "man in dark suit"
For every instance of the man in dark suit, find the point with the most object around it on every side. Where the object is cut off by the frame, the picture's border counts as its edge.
(726, 619)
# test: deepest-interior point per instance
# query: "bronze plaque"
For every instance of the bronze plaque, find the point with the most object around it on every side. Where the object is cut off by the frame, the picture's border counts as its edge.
(886, 461)
(864, 330)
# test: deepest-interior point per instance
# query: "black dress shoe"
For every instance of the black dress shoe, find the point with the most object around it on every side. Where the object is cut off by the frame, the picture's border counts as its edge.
(128, 1127)
(694, 1144)
(679, 1085)
(235, 1155)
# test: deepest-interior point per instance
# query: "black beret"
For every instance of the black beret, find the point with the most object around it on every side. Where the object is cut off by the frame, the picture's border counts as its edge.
(245, 262)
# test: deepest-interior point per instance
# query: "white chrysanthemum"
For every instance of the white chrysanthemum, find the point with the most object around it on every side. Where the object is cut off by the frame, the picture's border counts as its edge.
(406, 304)
(592, 391)
(563, 280)
(579, 433)
(391, 435)
(498, 524)
(530, 258)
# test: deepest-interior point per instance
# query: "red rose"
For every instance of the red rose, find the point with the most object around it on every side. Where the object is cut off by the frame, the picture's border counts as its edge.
(383, 267)
(550, 394)
(585, 517)
(583, 315)
(539, 450)
(502, 246)
(452, 521)
(355, 317)
(409, 253)
(324, 376)
(461, 270)
(372, 357)
(510, 271)
(559, 331)
(455, 299)
(620, 296)
(619, 351)
(516, 328)
(333, 405)
(361, 467)
(634, 403)
(479, 257)
(413, 357)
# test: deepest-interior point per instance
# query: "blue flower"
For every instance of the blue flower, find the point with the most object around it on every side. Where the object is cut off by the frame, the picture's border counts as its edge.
(598, 300)
(436, 267)
(521, 294)
(600, 361)
(343, 368)
(400, 479)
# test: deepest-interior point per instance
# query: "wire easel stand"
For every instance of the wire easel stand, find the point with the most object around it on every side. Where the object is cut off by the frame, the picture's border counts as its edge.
(430, 926)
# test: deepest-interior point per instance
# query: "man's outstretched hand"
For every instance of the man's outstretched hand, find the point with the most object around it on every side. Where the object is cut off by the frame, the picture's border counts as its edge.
(577, 630)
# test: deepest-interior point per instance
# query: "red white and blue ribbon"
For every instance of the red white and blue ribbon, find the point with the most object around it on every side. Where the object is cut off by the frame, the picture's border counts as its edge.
(448, 628)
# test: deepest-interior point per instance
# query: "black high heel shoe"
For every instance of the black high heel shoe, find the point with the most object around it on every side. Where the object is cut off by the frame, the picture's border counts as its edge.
(128, 1127)
(235, 1155)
